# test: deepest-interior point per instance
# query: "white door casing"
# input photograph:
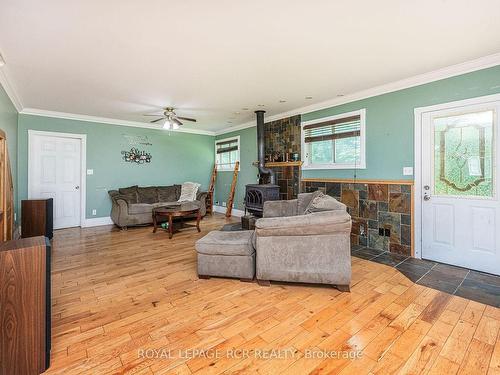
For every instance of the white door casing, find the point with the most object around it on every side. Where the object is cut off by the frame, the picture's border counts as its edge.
(457, 206)
(56, 169)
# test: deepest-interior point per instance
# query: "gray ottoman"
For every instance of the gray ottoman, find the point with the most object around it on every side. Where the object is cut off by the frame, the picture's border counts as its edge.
(226, 254)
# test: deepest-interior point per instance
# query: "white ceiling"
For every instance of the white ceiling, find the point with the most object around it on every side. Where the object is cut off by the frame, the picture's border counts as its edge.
(122, 58)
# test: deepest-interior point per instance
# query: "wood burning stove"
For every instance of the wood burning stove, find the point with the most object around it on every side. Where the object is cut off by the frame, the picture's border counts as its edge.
(257, 194)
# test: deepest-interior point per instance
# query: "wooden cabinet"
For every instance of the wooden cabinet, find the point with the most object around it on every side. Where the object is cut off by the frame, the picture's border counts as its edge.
(37, 217)
(25, 306)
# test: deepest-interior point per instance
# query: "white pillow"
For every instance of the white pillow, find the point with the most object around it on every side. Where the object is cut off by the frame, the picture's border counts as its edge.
(189, 191)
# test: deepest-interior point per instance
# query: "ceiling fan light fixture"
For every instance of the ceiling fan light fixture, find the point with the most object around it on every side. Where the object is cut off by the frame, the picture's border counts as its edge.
(170, 125)
(170, 120)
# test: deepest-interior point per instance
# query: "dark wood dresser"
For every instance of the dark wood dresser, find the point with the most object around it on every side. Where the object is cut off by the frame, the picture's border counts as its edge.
(37, 217)
(25, 306)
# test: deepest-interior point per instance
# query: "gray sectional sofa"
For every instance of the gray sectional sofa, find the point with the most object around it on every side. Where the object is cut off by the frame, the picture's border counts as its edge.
(134, 205)
(293, 242)
(308, 247)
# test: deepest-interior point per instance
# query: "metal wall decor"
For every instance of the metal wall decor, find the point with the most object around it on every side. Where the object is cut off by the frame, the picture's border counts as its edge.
(138, 145)
(137, 140)
(136, 156)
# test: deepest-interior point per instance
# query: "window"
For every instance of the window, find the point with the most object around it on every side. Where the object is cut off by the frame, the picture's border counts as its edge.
(336, 142)
(227, 153)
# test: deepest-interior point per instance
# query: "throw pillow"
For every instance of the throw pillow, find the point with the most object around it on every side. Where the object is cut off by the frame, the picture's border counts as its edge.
(167, 193)
(304, 200)
(130, 192)
(147, 195)
(177, 191)
(188, 191)
(323, 202)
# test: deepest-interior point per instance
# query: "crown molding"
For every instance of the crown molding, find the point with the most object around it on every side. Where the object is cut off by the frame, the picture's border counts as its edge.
(9, 89)
(436, 75)
(106, 120)
(421, 79)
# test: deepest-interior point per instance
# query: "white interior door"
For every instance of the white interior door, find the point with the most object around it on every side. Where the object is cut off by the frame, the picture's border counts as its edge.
(460, 193)
(55, 172)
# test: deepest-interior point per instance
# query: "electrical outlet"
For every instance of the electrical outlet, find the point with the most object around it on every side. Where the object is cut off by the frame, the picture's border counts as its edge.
(90, 172)
(94, 212)
(223, 204)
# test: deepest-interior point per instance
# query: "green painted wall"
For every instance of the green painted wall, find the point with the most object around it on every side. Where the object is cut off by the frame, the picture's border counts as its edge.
(390, 121)
(8, 123)
(389, 125)
(248, 173)
(176, 157)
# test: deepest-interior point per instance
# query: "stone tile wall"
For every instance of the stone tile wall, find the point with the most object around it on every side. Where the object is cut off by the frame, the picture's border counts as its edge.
(282, 137)
(381, 212)
(288, 178)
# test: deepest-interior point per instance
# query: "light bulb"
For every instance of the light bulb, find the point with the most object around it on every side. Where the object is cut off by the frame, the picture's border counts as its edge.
(170, 125)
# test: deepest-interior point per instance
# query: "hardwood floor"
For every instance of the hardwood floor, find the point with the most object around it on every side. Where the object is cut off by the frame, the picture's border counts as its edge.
(119, 295)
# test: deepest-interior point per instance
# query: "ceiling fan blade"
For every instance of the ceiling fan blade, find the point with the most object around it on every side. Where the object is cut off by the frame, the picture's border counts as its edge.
(157, 120)
(186, 118)
(159, 114)
(177, 121)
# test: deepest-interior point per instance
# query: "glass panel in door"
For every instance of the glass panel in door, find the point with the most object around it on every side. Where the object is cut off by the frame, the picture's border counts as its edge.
(463, 155)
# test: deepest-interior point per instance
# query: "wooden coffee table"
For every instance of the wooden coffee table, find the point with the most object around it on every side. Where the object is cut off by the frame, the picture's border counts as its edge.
(181, 210)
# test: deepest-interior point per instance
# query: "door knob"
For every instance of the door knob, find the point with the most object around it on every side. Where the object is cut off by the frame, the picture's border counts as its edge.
(427, 197)
(77, 187)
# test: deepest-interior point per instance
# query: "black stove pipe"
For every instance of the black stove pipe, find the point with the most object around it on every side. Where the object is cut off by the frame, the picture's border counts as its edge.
(261, 150)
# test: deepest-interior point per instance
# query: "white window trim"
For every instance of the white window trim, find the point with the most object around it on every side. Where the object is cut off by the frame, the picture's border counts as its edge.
(362, 147)
(237, 159)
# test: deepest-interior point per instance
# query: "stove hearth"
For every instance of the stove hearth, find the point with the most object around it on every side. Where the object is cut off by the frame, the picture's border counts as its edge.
(256, 195)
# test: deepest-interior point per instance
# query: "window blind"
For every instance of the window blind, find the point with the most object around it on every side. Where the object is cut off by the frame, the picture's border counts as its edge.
(346, 127)
(227, 146)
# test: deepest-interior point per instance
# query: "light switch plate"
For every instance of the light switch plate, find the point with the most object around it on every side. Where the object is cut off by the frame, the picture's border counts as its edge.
(90, 171)
(407, 171)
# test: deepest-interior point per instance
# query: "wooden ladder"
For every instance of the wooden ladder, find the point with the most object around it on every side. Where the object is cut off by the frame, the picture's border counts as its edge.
(230, 201)
(211, 188)
(6, 193)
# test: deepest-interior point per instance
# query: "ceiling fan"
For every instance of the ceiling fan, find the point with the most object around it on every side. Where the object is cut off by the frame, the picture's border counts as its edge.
(171, 120)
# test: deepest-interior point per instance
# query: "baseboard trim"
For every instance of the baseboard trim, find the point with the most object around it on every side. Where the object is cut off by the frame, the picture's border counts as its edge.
(98, 221)
(234, 212)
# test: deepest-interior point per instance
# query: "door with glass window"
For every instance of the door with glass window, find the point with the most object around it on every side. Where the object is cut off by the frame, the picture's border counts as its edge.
(460, 195)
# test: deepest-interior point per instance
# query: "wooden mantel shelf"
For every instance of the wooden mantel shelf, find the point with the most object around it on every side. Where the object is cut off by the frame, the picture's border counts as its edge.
(284, 164)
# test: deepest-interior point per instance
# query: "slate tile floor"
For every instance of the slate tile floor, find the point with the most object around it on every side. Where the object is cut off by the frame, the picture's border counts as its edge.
(474, 285)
